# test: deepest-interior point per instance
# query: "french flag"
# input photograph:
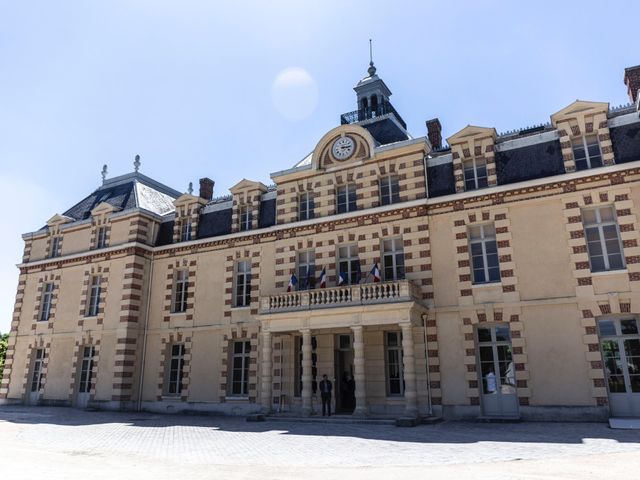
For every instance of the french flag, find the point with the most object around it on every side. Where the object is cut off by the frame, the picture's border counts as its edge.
(323, 278)
(341, 278)
(375, 272)
(293, 281)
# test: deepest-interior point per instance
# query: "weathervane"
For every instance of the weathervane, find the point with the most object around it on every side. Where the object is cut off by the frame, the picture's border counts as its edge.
(371, 70)
(104, 172)
(136, 163)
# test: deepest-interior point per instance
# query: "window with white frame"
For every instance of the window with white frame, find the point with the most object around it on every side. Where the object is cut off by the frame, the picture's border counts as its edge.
(45, 302)
(306, 269)
(245, 218)
(393, 259)
(185, 233)
(603, 239)
(243, 284)
(101, 241)
(586, 152)
(86, 369)
(36, 376)
(349, 264)
(180, 291)
(395, 375)
(346, 198)
(484, 253)
(93, 302)
(305, 206)
(389, 190)
(240, 368)
(54, 251)
(175, 372)
(475, 174)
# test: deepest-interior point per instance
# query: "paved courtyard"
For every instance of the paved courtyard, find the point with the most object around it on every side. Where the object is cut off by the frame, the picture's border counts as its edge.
(67, 443)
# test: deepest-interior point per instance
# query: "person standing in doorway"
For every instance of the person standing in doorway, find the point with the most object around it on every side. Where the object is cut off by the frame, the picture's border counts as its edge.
(325, 392)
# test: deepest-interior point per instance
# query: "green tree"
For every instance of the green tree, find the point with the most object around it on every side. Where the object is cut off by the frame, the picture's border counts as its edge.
(4, 342)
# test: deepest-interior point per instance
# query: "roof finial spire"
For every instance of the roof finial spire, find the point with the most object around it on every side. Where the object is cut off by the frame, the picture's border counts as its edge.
(190, 189)
(104, 172)
(371, 70)
(136, 163)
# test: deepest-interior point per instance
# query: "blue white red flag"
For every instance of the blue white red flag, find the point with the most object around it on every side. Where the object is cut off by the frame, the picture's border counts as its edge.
(375, 272)
(323, 278)
(293, 281)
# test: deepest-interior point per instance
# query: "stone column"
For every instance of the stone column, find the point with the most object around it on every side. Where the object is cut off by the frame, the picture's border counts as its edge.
(409, 367)
(359, 375)
(266, 382)
(306, 373)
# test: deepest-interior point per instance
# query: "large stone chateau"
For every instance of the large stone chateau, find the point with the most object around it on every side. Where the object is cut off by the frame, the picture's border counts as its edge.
(494, 275)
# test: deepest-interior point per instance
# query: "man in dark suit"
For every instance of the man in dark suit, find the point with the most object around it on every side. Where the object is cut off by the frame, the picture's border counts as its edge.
(325, 392)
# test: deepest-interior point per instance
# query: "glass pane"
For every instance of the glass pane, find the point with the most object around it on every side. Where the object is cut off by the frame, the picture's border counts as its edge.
(486, 354)
(635, 383)
(489, 230)
(479, 277)
(474, 232)
(606, 327)
(610, 232)
(615, 262)
(484, 335)
(392, 339)
(632, 347)
(589, 217)
(606, 214)
(597, 264)
(502, 333)
(494, 274)
(629, 327)
(592, 234)
(616, 384)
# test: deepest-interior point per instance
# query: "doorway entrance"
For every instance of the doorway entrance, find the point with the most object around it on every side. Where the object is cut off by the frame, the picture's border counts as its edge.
(36, 377)
(620, 346)
(344, 386)
(496, 370)
(84, 383)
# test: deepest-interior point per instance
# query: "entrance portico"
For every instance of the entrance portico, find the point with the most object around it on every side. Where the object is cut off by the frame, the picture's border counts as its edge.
(342, 332)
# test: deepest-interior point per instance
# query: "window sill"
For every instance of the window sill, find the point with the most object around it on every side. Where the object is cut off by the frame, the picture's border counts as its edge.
(171, 398)
(248, 307)
(486, 284)
(90, 317)
(236, 398)
(177, 314)
(609, 272)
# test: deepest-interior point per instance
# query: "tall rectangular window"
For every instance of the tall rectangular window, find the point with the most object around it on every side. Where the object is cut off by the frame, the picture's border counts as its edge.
(94, 296)
(54, 250)
(395, 375)
(175, 372)
(484, 253)
(393, 259)
(240, 366)
(185, 233)
(347, 198)
(243, 284)
(475, 174)
(45, 302)
(86, 369)
(603, 239)
(305, 206)
(180, 291)
(586, 152)
(349, 264)
(101, 241)
(306, 270)
(245, 218)
(36, 377)
(389, 190)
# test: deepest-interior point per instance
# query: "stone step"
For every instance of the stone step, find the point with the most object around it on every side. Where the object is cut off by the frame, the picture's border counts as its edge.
(335, 419)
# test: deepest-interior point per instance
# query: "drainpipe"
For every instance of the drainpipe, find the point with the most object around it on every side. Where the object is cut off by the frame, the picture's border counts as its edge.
(426, 356)
(146, 329)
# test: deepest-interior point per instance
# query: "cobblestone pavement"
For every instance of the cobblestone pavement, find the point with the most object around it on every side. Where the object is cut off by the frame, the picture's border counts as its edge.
(143, 445)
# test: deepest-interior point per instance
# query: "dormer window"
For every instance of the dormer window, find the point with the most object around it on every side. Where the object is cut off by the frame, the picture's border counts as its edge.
(305, 206)
(185, 233)
(586, 152)
(245, 218)
(475, 174)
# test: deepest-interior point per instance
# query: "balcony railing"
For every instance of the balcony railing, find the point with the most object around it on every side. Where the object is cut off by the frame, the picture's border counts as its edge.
(350, 295)
(368, 113)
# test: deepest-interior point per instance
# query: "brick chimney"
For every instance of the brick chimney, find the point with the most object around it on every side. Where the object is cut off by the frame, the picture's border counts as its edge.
(206, 188)
(632, 81)
(434, 132)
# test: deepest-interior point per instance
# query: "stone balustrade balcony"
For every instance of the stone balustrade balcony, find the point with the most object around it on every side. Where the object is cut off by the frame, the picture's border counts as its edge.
(344, 296)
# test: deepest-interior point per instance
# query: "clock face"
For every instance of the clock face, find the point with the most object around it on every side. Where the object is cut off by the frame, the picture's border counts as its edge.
(343, 148)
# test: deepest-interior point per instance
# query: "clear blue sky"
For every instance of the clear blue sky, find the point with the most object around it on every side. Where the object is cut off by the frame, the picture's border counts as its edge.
(191, 85)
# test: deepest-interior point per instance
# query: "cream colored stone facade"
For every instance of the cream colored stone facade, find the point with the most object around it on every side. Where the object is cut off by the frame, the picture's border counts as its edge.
(546, 293)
